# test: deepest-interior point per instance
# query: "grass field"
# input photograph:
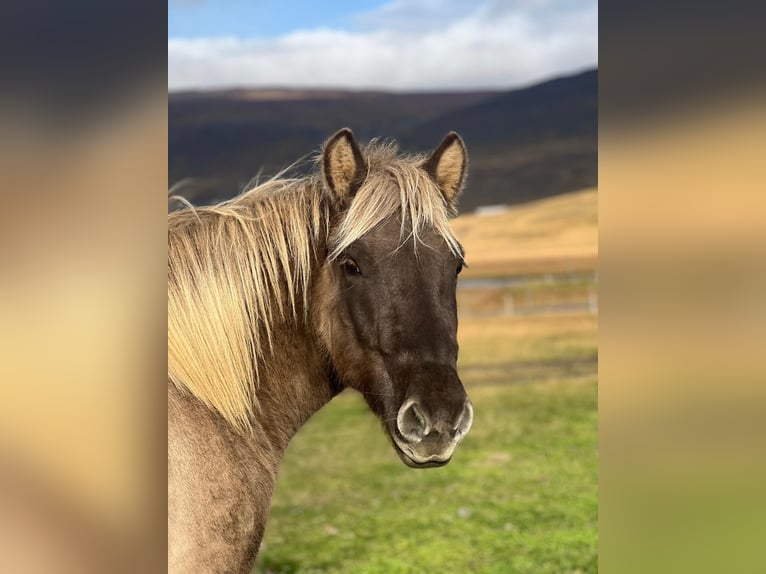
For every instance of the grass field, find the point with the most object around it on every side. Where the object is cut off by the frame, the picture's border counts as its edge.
(519, 496)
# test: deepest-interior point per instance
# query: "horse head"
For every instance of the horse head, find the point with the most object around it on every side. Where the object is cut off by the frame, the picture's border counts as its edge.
(385, 309)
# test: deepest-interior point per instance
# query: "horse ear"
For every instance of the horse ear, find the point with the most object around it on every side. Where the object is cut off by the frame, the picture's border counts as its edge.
(343, 166)
(447, 166)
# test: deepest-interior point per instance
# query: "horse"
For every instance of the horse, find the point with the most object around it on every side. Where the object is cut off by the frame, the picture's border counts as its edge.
(286, 295)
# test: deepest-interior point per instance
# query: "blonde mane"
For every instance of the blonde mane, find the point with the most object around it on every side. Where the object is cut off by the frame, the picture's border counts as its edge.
(238, 269)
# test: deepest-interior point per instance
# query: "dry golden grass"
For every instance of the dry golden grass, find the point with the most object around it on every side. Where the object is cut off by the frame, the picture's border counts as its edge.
(549, 235)
(536, 338)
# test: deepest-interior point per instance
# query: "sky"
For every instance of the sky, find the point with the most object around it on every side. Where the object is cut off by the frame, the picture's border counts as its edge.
(398, 45)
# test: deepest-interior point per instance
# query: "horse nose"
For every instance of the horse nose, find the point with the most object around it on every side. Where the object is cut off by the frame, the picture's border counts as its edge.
(414, 422)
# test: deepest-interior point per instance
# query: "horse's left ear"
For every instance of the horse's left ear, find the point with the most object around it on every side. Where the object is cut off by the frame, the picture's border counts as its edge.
(447, 165)
(343, 166)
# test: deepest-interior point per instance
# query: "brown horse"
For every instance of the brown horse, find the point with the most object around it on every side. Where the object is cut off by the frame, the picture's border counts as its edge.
(284, 296)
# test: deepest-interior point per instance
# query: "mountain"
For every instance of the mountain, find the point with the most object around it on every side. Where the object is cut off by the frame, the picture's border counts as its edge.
(223, 139)
(524, 144)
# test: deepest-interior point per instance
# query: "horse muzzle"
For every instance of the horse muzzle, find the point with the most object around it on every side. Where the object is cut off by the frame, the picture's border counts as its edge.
(426, 440)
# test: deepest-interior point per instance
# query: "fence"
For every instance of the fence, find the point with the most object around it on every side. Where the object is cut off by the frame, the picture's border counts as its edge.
(543, 294)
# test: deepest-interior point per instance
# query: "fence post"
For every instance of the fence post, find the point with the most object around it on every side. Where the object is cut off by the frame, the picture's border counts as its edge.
(508, 309)
(592, 301)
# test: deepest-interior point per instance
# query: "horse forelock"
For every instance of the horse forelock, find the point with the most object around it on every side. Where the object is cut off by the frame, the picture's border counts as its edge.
(395, 186)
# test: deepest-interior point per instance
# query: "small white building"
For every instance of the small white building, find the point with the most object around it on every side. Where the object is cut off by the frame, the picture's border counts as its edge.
(491, 209)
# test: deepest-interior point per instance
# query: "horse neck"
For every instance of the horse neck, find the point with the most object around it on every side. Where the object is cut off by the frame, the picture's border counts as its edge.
(296, 381)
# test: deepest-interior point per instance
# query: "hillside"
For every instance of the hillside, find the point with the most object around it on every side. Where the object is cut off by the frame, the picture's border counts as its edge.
(557, 234)
(223, 139)
(524, 144)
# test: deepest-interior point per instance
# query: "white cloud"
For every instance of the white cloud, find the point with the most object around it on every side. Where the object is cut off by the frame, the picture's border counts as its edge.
(403, 46)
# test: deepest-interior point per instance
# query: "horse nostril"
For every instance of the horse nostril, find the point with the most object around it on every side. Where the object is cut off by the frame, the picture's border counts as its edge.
(412, 422)
(466, 420)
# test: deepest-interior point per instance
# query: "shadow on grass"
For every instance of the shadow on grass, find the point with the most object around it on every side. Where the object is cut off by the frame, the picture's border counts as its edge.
(278, 566)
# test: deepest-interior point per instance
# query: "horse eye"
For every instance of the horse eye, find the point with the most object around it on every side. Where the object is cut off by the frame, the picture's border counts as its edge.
(350, 266)
(459, 268)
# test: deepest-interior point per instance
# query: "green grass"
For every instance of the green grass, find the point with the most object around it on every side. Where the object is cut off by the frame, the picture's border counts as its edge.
(520, 494)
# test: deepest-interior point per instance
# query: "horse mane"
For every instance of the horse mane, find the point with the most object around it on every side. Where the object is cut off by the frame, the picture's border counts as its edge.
(236, 269)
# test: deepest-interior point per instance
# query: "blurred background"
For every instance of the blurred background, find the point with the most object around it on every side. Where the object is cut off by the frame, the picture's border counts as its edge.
(681, 313)
(256, 86)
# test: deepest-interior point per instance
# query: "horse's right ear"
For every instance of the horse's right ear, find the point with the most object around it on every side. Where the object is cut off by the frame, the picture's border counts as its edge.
(343, 166)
